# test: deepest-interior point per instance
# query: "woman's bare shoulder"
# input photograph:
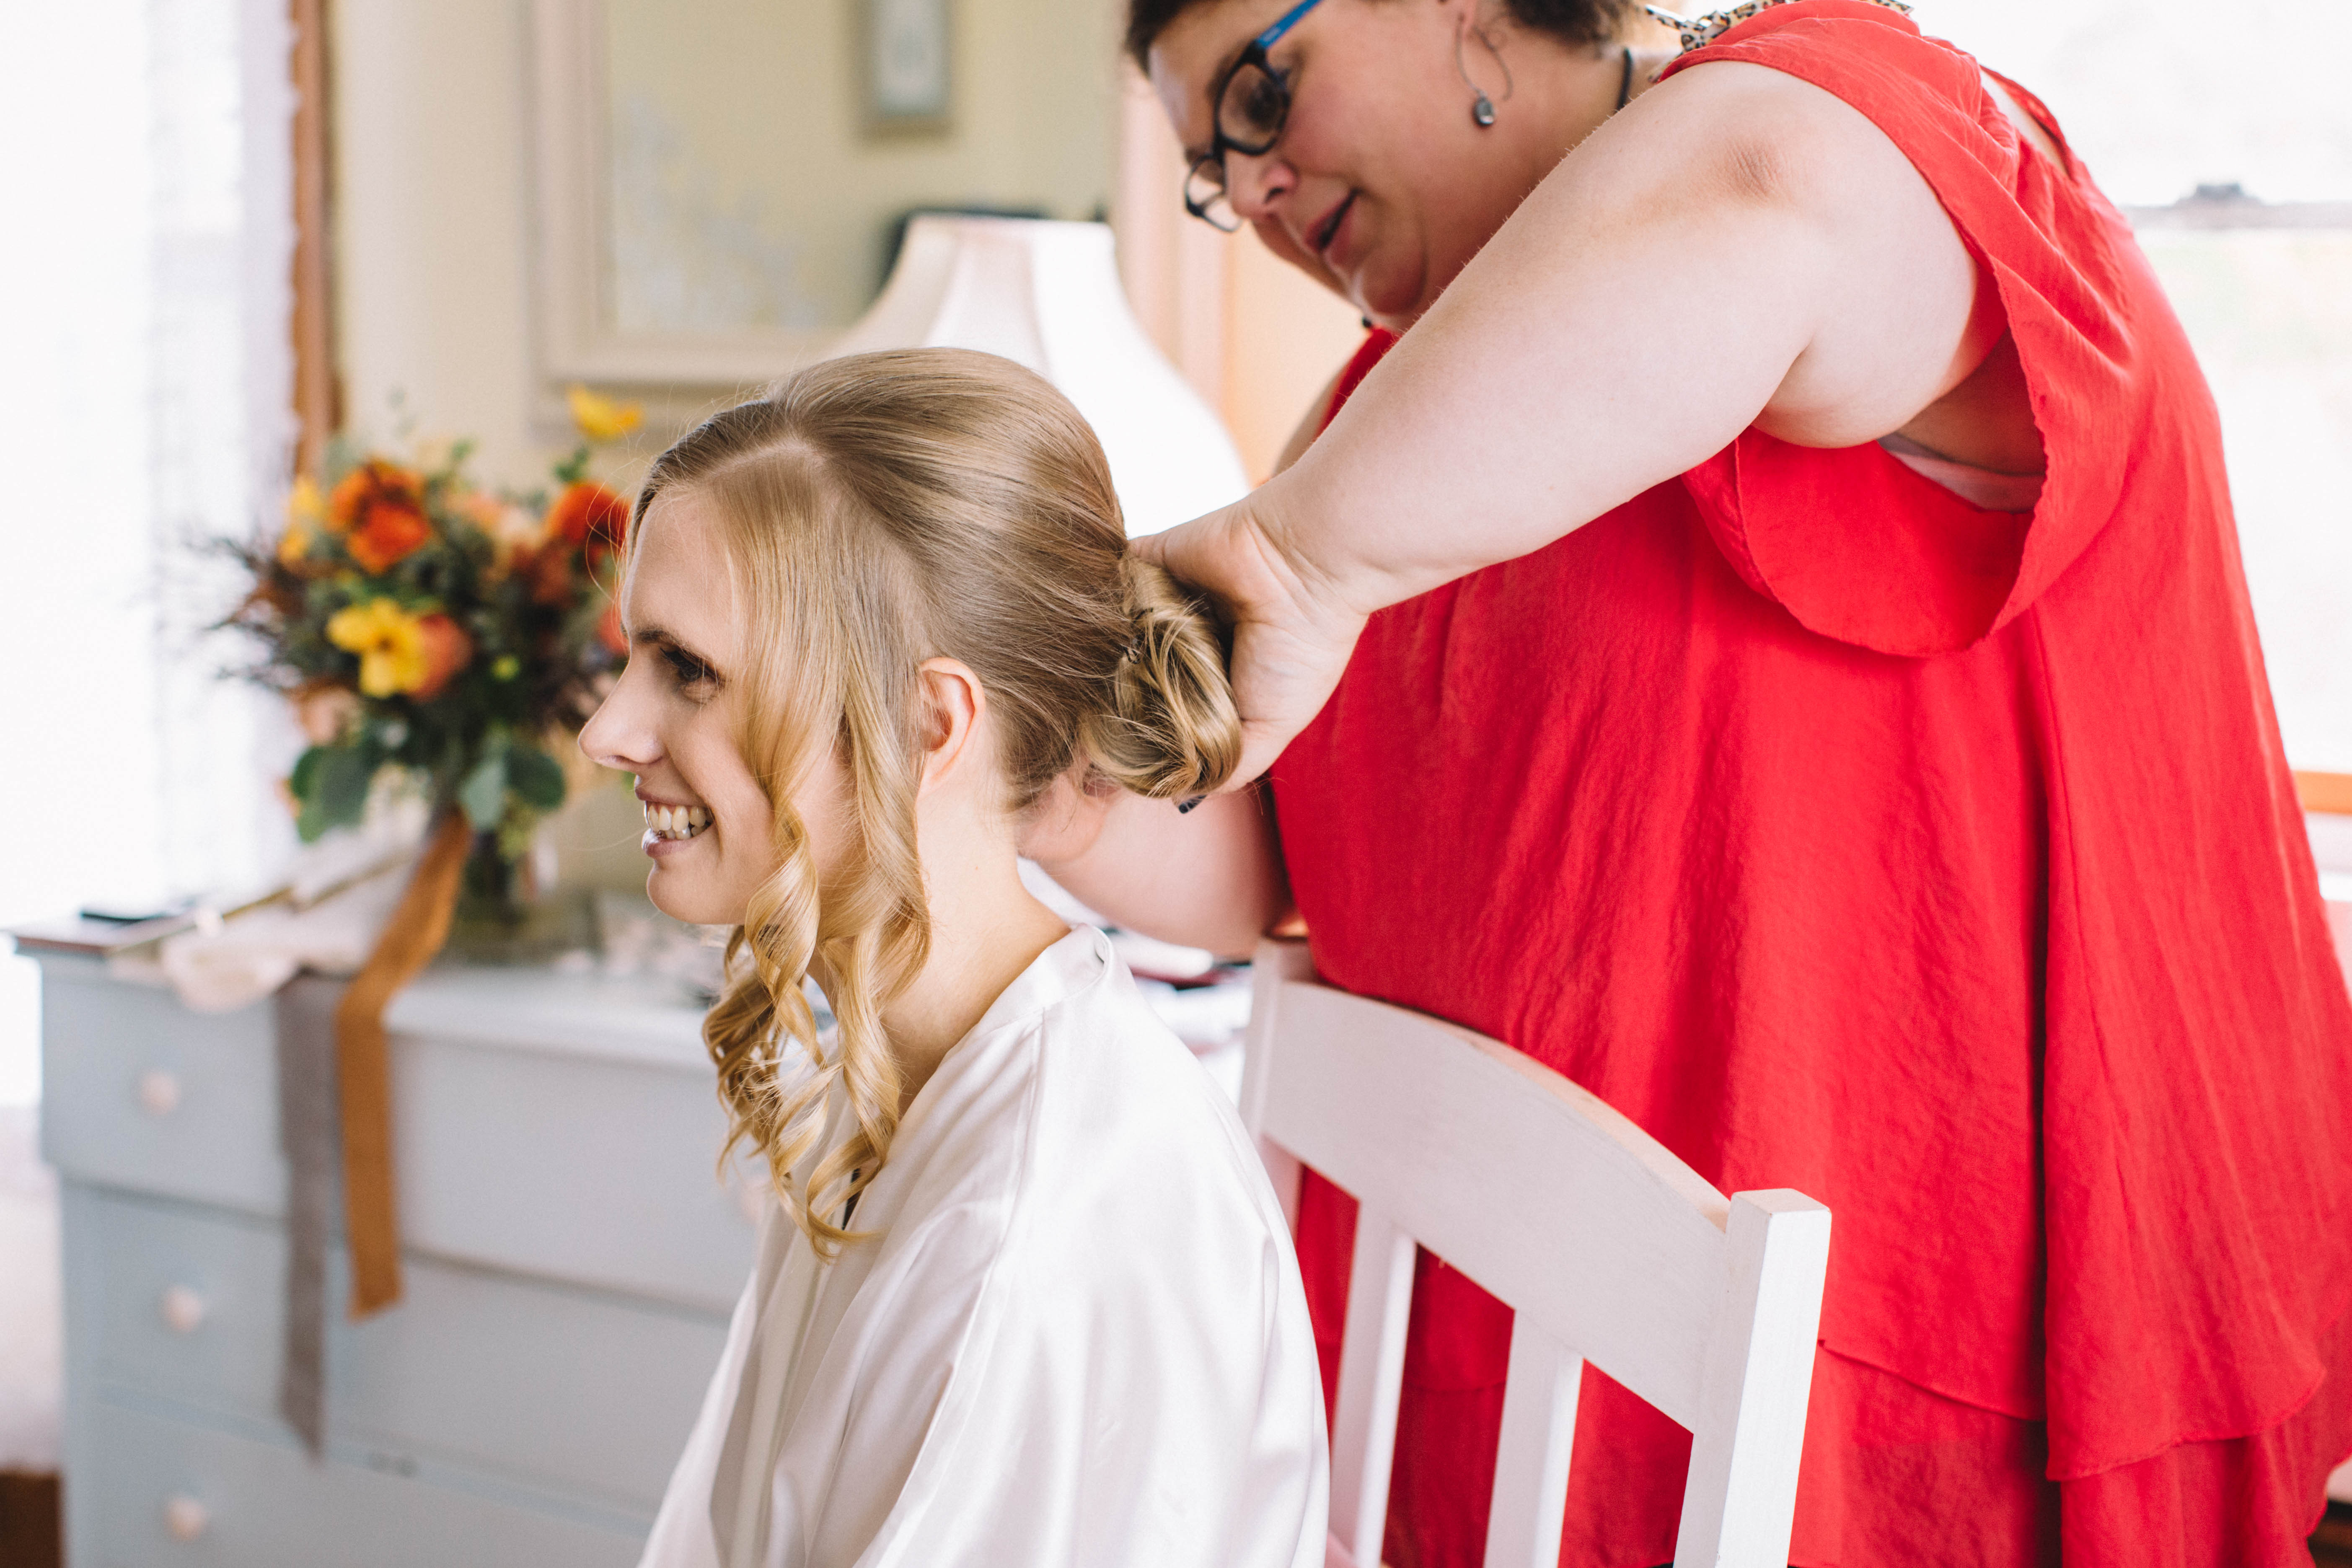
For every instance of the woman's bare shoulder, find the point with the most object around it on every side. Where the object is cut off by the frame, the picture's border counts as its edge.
(1891, 285)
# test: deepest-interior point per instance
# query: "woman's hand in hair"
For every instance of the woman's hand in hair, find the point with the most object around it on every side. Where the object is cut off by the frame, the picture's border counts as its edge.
(1292, 629)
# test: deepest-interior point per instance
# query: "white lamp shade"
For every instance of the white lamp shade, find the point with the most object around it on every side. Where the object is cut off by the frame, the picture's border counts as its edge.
(1046, 295)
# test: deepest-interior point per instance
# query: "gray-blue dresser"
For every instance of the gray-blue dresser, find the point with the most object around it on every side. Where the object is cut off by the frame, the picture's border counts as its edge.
(571, 1255)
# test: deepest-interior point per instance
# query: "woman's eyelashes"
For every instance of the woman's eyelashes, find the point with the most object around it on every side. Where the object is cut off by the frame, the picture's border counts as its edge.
(691, 675)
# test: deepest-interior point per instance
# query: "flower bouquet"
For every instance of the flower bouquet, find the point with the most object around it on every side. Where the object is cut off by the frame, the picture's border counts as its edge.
(439, 636)
(426, 626)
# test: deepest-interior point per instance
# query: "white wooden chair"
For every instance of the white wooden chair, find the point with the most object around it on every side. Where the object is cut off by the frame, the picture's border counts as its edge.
(1607, 1247)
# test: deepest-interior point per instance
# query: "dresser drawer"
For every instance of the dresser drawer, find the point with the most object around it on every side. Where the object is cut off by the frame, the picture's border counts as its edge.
(549, 1389)
(139, 1093)
(572, 1136)
(244, 1502)
(582, 1168)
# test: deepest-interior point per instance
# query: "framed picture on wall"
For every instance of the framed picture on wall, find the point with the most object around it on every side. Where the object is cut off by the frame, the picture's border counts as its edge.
(717, 184)
(905, 55)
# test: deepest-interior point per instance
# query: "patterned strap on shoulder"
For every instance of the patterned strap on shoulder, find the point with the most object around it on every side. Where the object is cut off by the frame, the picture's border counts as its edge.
(1698, 31)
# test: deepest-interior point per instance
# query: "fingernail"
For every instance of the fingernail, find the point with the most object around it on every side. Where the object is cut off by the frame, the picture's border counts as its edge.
(1184, 805)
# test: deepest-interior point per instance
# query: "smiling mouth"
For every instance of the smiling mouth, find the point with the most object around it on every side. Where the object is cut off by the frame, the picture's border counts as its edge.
(1330, 229)
(675, 822)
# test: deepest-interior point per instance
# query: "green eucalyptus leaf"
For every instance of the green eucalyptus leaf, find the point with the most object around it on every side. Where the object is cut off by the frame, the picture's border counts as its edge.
(304, 780)
(536, 778)
(311, 822)
(483, 792)
(338, 777)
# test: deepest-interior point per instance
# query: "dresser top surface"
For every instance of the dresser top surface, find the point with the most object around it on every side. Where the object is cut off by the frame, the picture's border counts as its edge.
(642, 1020)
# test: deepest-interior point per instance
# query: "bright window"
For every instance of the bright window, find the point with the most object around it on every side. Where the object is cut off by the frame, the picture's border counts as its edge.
(143, 325)
(2162, 99)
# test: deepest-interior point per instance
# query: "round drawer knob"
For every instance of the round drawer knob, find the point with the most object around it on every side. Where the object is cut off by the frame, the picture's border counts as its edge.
(184, 1309)
(184, 1517)
(159, 1091)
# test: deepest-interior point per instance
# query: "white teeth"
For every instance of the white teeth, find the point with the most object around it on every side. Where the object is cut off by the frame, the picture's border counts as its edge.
(675, 821)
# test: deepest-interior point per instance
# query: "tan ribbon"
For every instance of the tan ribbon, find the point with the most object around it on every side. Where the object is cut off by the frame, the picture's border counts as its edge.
(415, 933)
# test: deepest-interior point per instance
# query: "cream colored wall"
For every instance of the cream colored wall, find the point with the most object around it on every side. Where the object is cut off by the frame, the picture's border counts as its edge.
(432, 232)
(761, 139)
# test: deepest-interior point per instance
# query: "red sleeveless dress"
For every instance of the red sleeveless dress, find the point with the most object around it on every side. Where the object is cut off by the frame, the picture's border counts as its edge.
(1940, 863)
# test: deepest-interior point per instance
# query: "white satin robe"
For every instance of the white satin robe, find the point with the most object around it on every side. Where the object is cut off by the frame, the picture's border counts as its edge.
(1077, 1338)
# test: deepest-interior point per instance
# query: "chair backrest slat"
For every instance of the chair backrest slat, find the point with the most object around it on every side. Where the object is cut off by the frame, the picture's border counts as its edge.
(1607, 1247)
(1530, 1495)
(1371, 1380)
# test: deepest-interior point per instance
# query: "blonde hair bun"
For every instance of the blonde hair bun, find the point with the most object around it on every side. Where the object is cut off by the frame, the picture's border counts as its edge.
(1170, 728)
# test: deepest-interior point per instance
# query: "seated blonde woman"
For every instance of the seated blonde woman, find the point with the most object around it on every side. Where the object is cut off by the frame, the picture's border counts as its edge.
(1025, 1296)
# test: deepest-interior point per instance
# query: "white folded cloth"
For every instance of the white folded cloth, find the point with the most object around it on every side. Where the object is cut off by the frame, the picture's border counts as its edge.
(237, 962)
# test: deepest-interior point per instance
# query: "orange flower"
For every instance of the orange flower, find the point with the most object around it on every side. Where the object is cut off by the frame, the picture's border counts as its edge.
(447, 650)
(589, 517)
(372, 481)
(379, 508)
(389, 536)
(548, 570)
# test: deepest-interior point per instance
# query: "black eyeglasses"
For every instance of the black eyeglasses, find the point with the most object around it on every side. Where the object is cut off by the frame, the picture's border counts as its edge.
(1253, 101)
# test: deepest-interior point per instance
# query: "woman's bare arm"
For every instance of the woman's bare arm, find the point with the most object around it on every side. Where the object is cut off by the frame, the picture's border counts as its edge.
(1737, 248)
(1208, 878)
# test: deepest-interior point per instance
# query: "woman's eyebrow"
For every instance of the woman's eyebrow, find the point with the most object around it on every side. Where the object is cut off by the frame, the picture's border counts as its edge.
(1227, 65)
(661, 637)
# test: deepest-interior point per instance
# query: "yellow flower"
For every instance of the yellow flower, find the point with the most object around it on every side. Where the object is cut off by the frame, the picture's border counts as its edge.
(304, 504)
(306, 510)
(390, 643)
(601, 418)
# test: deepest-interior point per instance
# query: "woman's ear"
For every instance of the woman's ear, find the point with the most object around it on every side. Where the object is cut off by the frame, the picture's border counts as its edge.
(954, 703)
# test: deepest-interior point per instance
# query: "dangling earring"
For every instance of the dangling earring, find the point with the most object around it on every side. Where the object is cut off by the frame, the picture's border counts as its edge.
(1482, 107)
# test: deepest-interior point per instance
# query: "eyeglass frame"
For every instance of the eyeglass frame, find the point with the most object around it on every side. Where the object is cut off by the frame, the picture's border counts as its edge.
(1253, 54)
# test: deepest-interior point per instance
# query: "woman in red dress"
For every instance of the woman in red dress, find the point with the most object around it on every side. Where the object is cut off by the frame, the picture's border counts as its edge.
(1769, 642)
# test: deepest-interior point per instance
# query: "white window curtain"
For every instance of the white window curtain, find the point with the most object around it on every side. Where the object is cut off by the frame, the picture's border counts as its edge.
(144, 380)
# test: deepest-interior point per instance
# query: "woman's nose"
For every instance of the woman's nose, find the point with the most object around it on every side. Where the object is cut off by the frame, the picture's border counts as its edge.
(1253, 186)
(617, 735)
